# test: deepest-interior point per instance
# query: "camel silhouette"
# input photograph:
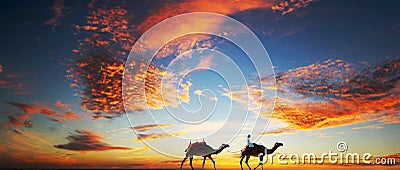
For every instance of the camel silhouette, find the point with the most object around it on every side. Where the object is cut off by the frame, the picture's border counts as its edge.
(257, 151)
(201, 149)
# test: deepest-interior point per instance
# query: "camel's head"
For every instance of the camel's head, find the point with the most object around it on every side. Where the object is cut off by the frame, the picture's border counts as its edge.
(224, 145)
(278, 144)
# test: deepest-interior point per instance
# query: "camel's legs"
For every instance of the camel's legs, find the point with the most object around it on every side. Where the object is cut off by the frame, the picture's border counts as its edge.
(247, 161)
(258, 165)
(241, 160)
(212, 161)
(191, 159)
(204, 161)
(184, 159)
(260, 158)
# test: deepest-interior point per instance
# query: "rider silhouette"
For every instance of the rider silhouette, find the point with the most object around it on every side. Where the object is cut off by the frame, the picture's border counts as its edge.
(250, 145)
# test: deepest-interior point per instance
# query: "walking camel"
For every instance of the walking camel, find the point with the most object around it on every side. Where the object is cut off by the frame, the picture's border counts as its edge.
(201, 149)
(257, 151)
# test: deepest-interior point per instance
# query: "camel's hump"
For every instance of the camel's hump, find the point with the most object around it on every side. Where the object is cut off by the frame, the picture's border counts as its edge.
(199, 149)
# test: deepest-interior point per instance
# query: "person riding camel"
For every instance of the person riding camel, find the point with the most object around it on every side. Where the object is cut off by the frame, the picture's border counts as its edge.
(250, 145)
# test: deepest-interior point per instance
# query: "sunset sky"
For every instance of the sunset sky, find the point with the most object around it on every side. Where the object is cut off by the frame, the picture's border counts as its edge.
(121, 84)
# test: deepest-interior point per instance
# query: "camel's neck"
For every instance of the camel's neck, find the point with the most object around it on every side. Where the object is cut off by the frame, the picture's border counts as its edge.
(272, 150)
(219, 150)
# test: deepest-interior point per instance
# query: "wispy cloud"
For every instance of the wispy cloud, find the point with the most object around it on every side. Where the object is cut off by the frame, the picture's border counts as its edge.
(84, 141)
(28, 138)
(374, 126)
(319, 135)
(142, 128)
(59, 11)
(12, 81)
(279, 131)
(24, 142)
(3, 147)
(13, 121)
(17, 131)
(62, 105)
(33, 109)
(151, 136)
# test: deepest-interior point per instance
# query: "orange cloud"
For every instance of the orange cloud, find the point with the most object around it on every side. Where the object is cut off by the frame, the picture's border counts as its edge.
(3, 147)
(96, 70)
(286, 7)
(279, 131)
(39, 149)
(84, 141)
(331, 94)
(23, 116)
(32, 109)
(9, 80)
(45, 159)
(62, 105)
(328, 94)
(174, 8)
(13, 121)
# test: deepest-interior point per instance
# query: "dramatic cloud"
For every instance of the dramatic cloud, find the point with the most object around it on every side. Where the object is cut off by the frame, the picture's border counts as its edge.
(328, 94)
(97, 67)
(173, 8)
(332, 93)
(97, 74)
(87, 141)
